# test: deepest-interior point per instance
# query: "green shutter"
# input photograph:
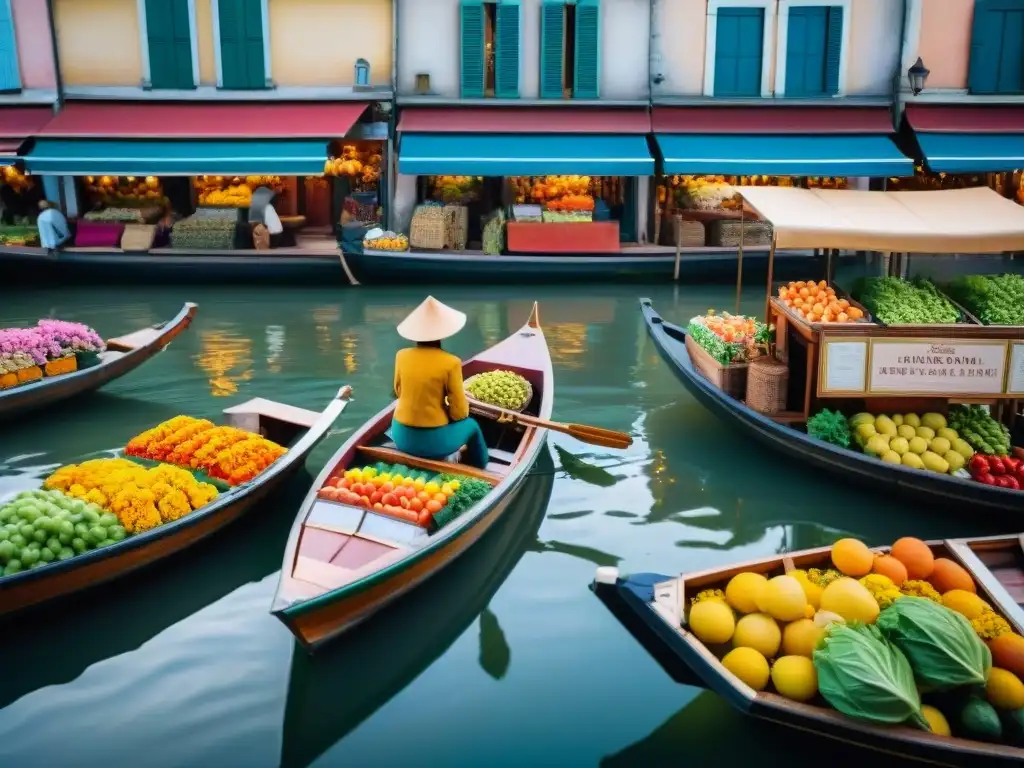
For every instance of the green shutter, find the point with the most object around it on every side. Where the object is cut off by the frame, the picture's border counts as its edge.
(10, 77)
(473, 23)
(833, 49)
(552, 49)
(169, 35)
(506, 59)
(739, 42)
(588, 50)
(241, 44)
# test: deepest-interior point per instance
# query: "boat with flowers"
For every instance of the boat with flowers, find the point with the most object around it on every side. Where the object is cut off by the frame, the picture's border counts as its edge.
(347, 557)
(172, 486)
(57, 360)
(914, 650)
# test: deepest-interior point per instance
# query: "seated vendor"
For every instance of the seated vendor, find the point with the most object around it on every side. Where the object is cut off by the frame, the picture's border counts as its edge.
(423, 424)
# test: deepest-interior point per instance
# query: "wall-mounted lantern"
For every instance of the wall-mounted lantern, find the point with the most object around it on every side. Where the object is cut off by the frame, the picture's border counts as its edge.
(917, 75)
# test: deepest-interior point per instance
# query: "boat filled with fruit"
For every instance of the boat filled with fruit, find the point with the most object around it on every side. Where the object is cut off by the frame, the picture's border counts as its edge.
(169, 486)
(915, 649)
(379, 521)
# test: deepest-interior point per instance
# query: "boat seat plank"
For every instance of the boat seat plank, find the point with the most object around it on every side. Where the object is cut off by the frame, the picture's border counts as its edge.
(133, 341)
(497, 468)
(258, 407)
(392, 456)
(324, 575)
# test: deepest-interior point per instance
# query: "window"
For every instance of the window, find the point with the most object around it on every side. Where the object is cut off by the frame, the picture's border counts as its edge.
(997, 47)
(810, 45)
(739, 51)
(490, 49)
(168, 33)
(570, 49)
(242, 54)
(10, 76)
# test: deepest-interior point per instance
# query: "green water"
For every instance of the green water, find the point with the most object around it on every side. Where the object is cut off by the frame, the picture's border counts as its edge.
(505, 659)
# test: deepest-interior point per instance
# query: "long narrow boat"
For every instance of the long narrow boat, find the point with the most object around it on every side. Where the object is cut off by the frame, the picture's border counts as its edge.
(782, 438)
(122, 355)
(295, 428)
(342, 563)
(369, 667)
(651, 608)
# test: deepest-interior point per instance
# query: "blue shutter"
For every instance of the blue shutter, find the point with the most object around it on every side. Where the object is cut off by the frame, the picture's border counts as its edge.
(10, 76)
(552, 49)
(588, 50)
(805, 51)
(506, 58)
(1011, 58)
(739, 43)
(833, 49)
(241, 44)
(997, 47)
(472, 75)
(169, 35)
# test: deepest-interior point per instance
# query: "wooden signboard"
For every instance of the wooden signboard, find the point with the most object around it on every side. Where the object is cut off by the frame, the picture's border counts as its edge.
(912, 367)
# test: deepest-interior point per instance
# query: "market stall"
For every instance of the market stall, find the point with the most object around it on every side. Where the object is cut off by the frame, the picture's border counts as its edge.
(20, 195)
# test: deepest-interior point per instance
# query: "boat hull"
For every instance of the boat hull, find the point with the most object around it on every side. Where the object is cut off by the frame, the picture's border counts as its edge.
(916, 485)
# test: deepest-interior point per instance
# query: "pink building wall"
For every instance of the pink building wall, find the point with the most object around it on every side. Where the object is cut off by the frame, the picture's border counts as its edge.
(945, 41)
(35, 47)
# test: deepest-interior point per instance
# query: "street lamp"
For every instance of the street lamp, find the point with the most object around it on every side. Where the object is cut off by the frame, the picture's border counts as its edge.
(917, 75)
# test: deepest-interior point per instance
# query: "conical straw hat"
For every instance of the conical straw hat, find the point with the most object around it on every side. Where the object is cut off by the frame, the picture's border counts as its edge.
(431, 321)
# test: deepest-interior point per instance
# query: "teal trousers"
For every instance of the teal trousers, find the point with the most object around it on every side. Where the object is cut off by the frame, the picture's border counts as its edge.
(441, 442)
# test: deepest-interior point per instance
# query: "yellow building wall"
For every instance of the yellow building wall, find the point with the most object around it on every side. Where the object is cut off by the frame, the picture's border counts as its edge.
(317, 42)
(98, 42)
(204, 43)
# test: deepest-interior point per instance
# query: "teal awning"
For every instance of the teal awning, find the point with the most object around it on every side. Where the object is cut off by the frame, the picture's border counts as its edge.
(124, 157)
(783, 155)
(972, 152)
(494, 154)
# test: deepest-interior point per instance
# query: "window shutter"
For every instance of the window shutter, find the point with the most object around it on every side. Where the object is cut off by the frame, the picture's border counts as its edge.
(253, 43)
(552, 49)
(472, 49)
(986, 39)
(241, 44)
(739, 43)
(506, 59)
(10, 76)
(170, 44)
(588, 50)
(833, 49)
(806, 47)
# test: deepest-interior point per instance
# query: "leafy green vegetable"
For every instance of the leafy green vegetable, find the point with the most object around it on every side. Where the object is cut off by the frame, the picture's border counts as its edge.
(829, 427)
(898, 302)
(995, 300)
(725, 352)
(864, 676)
(983, 433)
(943, 649)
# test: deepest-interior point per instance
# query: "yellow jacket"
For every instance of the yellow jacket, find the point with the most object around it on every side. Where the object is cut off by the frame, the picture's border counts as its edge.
(423, 376)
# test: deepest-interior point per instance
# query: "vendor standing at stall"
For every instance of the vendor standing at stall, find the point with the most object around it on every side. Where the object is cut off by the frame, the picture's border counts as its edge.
(53, 227)
(261, 212)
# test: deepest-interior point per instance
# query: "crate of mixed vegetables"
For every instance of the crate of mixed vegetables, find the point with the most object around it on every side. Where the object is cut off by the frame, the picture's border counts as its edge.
(895, 302)
(722, 345)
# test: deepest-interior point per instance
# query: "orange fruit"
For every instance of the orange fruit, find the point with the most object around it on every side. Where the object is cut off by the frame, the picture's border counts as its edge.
(852, 557)
(947, 575)
(842, 317)
(855, 313)
(916, 556)
(887, 565)
(805, 293)
(1008, 653)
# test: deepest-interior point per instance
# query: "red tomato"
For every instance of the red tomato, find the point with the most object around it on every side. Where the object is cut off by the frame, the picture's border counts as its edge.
(416, 505)
(365, 501)
(376, 496)
(404, 501)
(387, 487)
(334, 481)
(389, 499)
(424, 519)
(424, 496)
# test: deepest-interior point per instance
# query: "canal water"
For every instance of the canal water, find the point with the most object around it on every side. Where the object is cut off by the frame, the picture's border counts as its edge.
(506, 658)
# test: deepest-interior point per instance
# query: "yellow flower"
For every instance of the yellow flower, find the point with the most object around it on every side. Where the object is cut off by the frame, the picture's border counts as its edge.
(708, 594)
(882, 589)
(990, 625)
(915, 588)
(174, 505)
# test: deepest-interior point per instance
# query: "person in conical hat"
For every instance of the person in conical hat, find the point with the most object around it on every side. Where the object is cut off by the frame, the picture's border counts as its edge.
(432, 418)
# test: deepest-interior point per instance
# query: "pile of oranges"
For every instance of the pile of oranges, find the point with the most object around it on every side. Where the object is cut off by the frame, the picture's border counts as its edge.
(817, 303)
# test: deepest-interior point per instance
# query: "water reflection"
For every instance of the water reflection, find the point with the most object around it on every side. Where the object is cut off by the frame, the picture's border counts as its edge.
(223, 352)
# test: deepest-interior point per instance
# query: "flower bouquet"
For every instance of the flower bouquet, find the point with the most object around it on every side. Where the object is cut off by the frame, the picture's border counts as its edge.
(74, 339)
(22, 352)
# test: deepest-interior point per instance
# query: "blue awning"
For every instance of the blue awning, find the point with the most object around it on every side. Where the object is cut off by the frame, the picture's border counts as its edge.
(123, 157)
(493, 154)
(972, 152)
(783, 155)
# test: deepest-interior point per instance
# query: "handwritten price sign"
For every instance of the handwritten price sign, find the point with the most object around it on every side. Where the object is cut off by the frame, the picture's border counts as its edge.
(926, 367)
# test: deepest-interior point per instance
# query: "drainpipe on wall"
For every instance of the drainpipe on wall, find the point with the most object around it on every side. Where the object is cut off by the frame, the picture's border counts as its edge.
(59, 82)
(389, 217)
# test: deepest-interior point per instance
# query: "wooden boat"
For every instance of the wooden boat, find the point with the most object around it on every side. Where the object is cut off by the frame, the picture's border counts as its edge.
(296, 428)
(122, 355)
(650, 606)
(342, 564)
(781, 437)
(333, 692)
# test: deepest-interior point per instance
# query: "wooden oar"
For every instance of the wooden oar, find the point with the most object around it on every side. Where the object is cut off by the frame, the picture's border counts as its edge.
(606, 438)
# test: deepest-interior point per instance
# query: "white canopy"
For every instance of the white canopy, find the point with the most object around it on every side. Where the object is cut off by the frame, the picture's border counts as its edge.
(976, 220)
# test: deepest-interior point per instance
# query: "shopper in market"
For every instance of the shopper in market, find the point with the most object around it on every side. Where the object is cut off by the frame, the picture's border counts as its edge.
(53, 227)
(261, 211)
(432, 418)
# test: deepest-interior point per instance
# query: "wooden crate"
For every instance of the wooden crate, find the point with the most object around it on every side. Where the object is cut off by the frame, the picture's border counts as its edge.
(731, 379)
(727, 233)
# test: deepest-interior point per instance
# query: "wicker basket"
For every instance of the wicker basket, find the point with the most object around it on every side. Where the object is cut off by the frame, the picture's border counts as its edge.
(138, 237)
(427, 229)
(526, 402)
(731, 379)
(727, 233)
(767, 385)
(690, 233)
(456, 224)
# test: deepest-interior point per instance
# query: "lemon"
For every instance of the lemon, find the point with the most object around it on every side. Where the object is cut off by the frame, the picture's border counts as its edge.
(712, 622)
(912, 419)
(742, 590)
(851, 600)
(783, 598)
(939, 445)
(749, 666)
(936, 721)
(927, 433)
(800, 637)
(431, 488)
(823, 618)
(899, 445)
(758, 631)
(918, 445)
(811, 590)
(906, 431)
(795, 678)
(912, 460)
(419, 484)
(891, 457)
(1004, 689)
(455, 484)
(897, 419)
(955, 460)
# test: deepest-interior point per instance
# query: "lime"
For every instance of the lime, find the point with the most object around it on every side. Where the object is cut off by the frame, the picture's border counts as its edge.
(30, 514)
(64, 539)
(14, 566)
(43, 522)
(79, 545)
(97, 534)
(76, 518)
(66, 554)
(82, 530)
(4, 534)
(53, 544)
(46, 555)
(12, 528)
(40, 535)
(18, 540)
(66, 528)
(7, 550)
(29, 556)
(108, 518)
(34, 545)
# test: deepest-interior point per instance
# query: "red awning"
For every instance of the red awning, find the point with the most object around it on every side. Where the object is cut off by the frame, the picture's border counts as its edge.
(19, 123)
(524, 120)
(964, 119)
(772, 120)
(99, 120)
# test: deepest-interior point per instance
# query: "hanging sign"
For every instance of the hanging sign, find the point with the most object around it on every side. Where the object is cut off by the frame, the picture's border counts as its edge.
(909, 367)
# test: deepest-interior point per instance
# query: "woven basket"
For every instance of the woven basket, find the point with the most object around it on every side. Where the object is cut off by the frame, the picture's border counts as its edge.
(456, 226)
(526, 402)
(731, 379)
(727, 233)
(690, 233)
(427, 229)
(138, 237)
(767, 385)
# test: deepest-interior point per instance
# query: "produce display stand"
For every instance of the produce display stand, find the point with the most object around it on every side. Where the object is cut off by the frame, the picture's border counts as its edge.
(563, 237)
(868, 361)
